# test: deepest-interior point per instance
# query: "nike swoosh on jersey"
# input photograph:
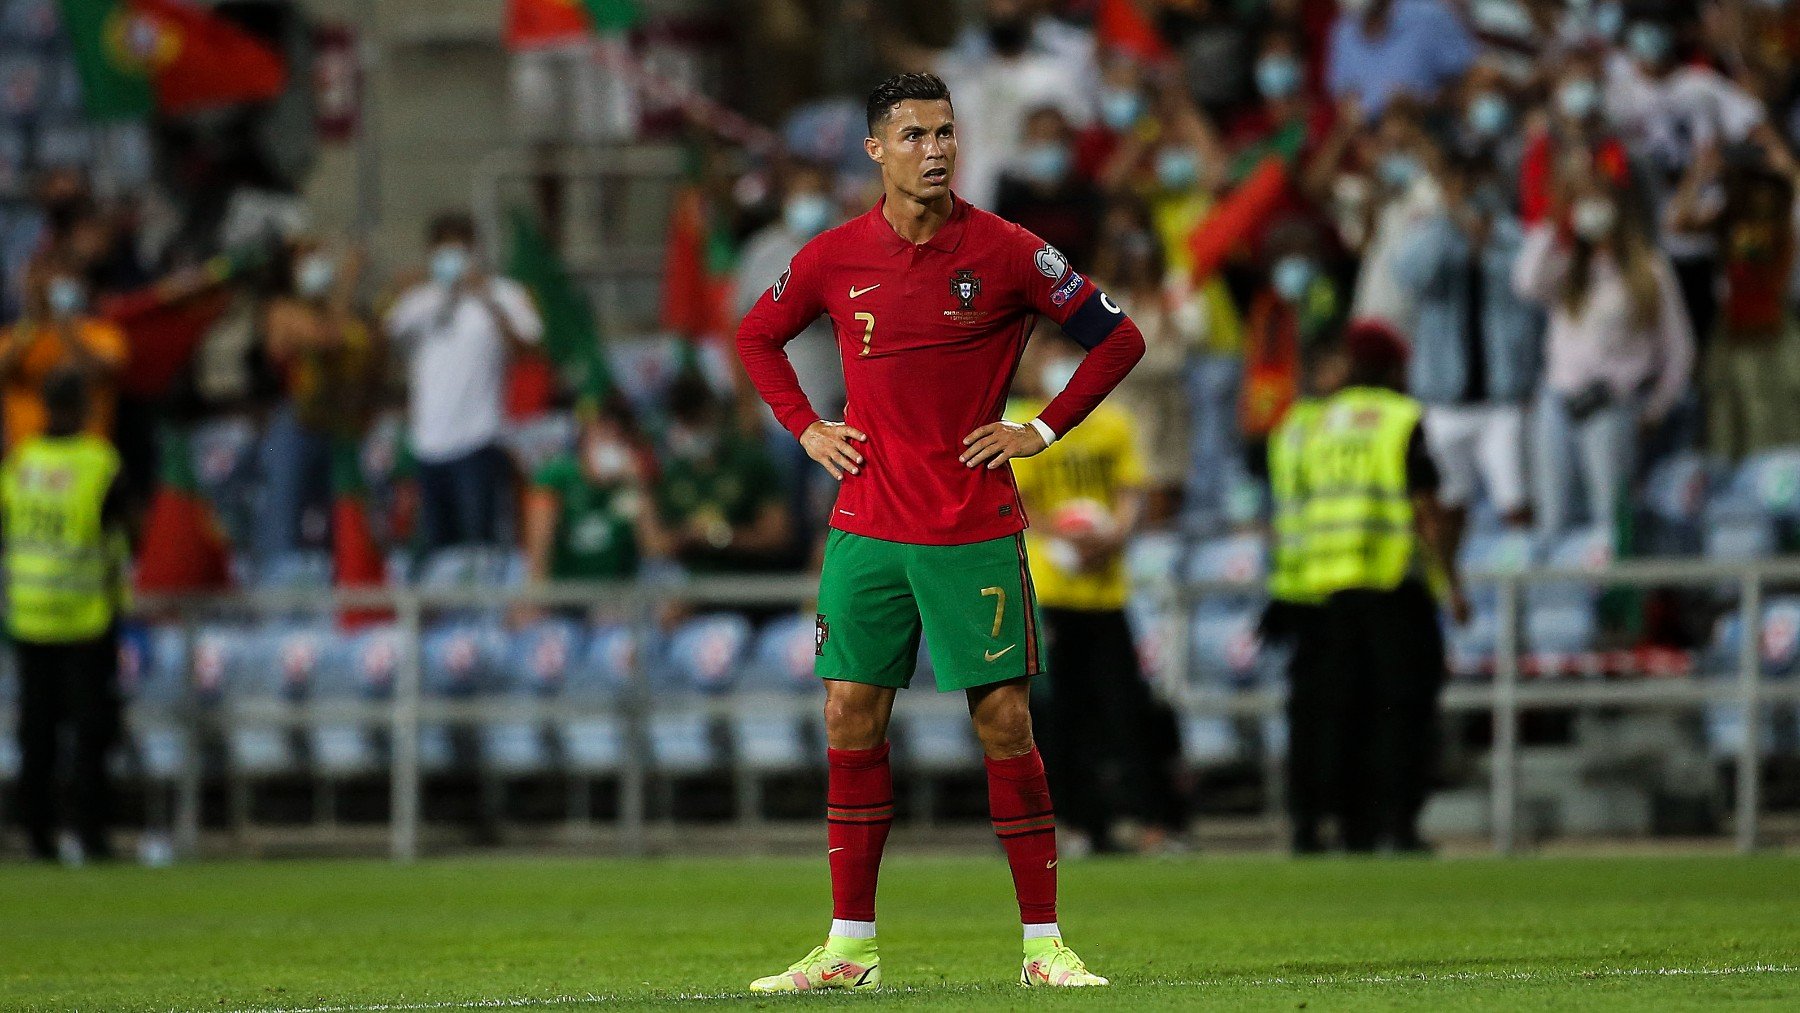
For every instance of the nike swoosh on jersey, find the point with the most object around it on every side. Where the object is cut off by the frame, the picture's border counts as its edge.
(854, 291)
(996, 656)
(833, 851)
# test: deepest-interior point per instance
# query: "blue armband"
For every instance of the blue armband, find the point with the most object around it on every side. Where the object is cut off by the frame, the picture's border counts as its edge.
(1094, 320)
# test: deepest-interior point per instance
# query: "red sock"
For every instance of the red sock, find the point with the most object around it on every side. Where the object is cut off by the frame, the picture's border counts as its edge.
(859, 809)
(1019, 801)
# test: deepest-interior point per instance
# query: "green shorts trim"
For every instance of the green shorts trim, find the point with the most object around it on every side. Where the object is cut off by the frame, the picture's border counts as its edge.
(973, 605)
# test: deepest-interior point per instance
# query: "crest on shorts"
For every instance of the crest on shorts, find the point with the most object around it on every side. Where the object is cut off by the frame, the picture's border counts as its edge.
(821, 633)
(965, 286)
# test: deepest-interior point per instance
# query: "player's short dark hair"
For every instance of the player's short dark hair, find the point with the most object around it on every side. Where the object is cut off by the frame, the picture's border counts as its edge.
(904, 88)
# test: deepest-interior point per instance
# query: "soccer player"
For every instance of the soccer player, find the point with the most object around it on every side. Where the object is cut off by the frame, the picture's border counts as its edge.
(932, 301)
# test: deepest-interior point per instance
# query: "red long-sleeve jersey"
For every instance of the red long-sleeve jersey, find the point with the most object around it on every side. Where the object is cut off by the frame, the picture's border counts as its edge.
(931, 335)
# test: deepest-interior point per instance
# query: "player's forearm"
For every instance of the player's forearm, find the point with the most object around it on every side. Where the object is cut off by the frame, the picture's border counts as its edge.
(773, 376)
(1103, 368)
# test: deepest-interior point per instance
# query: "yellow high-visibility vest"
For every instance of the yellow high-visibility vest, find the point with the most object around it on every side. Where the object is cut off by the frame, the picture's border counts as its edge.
(1359, 514)
(1287, 522)
(62, 565)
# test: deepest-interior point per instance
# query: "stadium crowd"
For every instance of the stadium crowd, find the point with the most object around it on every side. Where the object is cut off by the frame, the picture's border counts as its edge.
(1581, 217)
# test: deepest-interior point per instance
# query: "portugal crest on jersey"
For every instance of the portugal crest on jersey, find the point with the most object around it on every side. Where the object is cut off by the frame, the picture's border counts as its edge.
(965, 286)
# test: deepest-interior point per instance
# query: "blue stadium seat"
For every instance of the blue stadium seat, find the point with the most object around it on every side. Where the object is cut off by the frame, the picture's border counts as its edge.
(1585, 549)
(254, 684)
(1738, 529)
(1208, 741)
(1724, 722)
(537, 661)
(768, 726)
(1237, 558)
(1472, 648)
(1495, 552)
(163, 744)
(457, 659)
(1226, 648)
(1771, 478)
(702, 660)
(1152, 558)
(938, 739)
(595, 742)
(353, 669)
(1675, 498)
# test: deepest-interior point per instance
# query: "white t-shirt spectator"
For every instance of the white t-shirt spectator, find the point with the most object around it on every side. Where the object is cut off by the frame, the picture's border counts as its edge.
(456, 359)
(993, 97)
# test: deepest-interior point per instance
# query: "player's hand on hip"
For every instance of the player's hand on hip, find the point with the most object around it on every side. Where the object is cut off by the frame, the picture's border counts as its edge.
(833, 444)
(1000, 442)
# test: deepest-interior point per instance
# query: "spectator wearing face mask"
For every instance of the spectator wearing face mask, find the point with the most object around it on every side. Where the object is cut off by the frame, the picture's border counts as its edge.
(1475, 350)
(58, 331)
(1668, 110)
(1129, 266)
(456, 331)
(1041, 192)
(1486, 126)
(1619, 351)
(322, 347)
(1297, 305)
(588, 510)
(1577, 133)
(1408, 195)
(719, 499)
(1382, 49)
(1017, 59)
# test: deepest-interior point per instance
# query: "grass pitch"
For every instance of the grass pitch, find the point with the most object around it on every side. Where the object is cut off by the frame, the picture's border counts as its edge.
(1208, 933)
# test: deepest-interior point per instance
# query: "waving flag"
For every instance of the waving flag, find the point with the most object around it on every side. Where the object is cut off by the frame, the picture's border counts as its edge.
(136, 57)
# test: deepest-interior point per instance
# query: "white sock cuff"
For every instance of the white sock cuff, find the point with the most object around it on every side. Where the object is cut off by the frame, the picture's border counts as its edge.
(852, 930)
(1043, 930)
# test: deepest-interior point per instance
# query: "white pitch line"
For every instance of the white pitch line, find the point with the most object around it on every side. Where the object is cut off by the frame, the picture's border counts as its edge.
(1328, 979)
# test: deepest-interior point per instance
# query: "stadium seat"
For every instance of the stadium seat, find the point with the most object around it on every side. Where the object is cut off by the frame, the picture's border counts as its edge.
(768, 722)
(702, 661)
(1208, 741)
(1675, 498)
(1473, 647)
(1152, 558)
(1585, 549)
(1724, 722)
(1771, 478)
(457, 659)
(1504, 551)
(592, 734)
(1236, 559)
(254, 690)
(159, 689)
(536, 663)
(352, 670)
(1226, 649)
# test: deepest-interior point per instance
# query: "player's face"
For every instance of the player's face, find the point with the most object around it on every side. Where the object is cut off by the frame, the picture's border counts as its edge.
(917, 149)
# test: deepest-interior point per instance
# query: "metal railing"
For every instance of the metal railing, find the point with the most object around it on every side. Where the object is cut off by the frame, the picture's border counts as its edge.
(409, 707)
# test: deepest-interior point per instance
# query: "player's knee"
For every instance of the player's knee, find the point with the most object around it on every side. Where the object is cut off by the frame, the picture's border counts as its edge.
(1005, 734)
(852, 725)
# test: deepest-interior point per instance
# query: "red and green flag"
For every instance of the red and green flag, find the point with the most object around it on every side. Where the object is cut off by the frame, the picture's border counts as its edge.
(571, 336)
(356, 557)
(697, 264)
(536, 24)
(1124, 26)
(184, 547)
(137, 57)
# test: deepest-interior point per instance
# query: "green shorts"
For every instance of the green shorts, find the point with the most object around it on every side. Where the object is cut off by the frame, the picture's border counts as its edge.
(973, 603)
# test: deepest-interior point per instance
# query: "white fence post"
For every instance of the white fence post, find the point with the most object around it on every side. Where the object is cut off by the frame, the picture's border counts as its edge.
(1749, 757)
(1503, 761)
(403, 735)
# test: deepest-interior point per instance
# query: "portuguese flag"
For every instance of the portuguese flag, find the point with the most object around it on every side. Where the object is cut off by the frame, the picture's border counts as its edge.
(571, 335)
(535, 24)
(356, 559)
(137, 57)
(183, 548)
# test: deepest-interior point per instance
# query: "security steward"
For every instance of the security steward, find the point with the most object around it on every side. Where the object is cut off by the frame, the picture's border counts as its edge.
(65, 553)
(1375, 546)
(1295, 616)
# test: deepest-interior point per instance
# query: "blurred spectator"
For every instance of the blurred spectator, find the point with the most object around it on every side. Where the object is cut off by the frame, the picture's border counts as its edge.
(586, 507)
(1619, 351)
(1212, 41)
(1115, 748)
(456, 330)
(56, 331)
(1296, 305)
(1129, 267)
(1487, 127)
(1749, 374)
(322, 348)
(719, 499)
(1381, 49)
(1016, 60)
(1289, 122)
(1407, 162)
(1041, 191)
(1668, 110)
(1475, 347)
(1577, 137)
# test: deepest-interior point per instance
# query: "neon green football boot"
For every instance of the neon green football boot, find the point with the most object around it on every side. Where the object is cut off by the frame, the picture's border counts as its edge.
(1048, 963)
(840, 963)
